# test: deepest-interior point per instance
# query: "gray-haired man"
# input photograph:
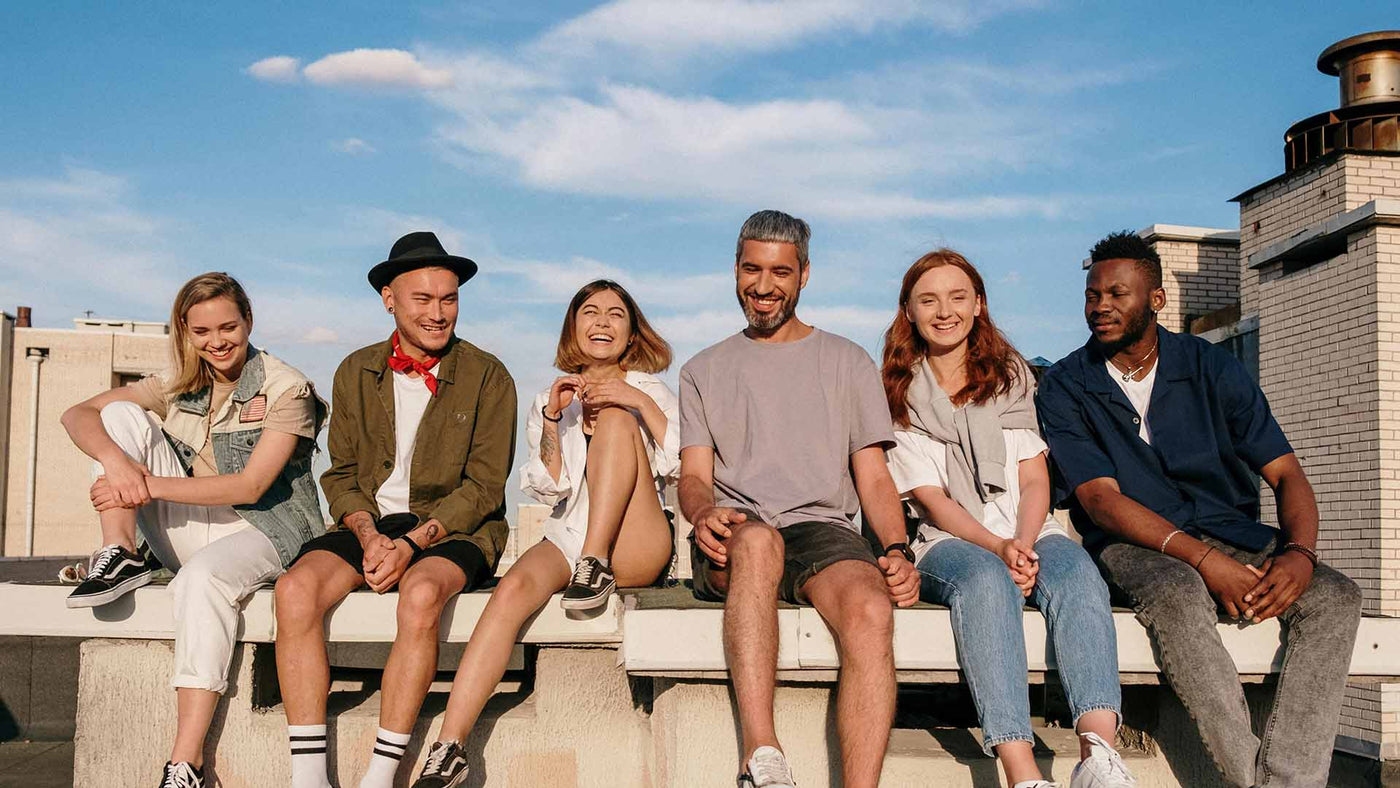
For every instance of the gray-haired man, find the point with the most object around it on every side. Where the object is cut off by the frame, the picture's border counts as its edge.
(783, 431)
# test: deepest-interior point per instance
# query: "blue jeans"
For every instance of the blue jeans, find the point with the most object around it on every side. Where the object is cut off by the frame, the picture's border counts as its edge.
(986, 611)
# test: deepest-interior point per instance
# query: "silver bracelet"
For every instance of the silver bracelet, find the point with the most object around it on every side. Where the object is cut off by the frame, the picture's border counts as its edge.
(1163, 548)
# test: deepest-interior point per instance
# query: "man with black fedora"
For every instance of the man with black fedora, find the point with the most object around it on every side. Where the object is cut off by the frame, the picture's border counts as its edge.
(421, 438)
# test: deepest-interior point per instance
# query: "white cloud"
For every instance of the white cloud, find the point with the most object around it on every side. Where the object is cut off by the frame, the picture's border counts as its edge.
(674, 28)
(376, 68)
(320, 335)
(275, 69)
(353, 146)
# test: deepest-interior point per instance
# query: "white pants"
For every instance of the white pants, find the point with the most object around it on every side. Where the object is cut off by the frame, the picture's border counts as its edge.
(217, 556)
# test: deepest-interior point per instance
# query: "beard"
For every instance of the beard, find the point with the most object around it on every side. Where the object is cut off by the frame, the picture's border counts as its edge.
(1135, 326)
(762, 323)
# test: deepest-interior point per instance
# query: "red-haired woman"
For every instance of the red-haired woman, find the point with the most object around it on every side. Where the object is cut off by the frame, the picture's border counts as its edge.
(970, 461)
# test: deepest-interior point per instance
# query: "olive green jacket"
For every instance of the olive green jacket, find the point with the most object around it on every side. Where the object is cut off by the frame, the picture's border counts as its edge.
(465, 448)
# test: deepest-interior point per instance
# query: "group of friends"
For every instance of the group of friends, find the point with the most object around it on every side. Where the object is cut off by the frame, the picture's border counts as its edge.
(783, 441)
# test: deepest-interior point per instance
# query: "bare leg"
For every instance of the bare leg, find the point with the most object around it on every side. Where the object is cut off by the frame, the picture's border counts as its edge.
(423, 591)
(119, 527)
(526, 587)
(751, 628)
(851, 596)
(194, 712)
(1104, 722)
(625, 520)
(313, 585)
(1018, 761)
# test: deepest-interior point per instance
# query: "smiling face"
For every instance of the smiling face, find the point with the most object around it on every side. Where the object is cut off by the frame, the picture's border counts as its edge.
(603, 328)
(768, 281)
(424, 304)
(218, 333)
(943, 306)
(1120, 303)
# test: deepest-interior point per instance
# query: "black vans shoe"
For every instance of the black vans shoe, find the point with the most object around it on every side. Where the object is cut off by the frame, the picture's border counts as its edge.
(593, 583)
(182, 775)
(446, 767)
(115, 571)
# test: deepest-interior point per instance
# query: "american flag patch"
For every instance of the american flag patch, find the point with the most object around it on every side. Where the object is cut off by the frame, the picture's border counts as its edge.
(255, 410)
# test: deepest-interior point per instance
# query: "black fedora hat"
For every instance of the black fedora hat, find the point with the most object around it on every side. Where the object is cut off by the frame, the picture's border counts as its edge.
(419, 250)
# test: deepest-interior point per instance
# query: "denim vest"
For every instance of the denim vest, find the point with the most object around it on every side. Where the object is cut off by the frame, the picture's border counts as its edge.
(289, 513)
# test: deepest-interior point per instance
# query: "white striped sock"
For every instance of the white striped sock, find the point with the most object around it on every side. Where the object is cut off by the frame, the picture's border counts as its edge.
(389, 748)
(308, 745)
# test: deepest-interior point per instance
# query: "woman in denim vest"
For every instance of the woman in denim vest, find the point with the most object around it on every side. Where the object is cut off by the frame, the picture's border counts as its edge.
(212, 465)
(969, 459)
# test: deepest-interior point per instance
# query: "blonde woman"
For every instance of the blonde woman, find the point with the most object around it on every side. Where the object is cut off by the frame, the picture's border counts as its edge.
(603, 440)
(212, 465)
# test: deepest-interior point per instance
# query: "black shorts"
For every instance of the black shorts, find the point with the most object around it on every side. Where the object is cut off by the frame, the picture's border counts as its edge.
(466, 555)
(808, 548)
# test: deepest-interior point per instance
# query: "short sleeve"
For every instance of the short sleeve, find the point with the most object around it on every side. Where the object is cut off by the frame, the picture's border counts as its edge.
(916, 461)
(1075, 452)
(293, 413)
(1027, 444)
(149, 393)
(1258, 438)
(869, 410)
(695, 427)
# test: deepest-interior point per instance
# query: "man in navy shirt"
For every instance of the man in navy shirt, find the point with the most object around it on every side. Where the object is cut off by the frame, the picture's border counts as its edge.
(1154, 436)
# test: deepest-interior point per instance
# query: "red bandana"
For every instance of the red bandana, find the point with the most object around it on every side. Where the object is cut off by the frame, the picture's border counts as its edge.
(400, 361)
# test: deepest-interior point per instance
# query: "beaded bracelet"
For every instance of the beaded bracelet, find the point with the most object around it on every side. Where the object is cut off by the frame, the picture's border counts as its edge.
(1304, 549)
(1163, 548)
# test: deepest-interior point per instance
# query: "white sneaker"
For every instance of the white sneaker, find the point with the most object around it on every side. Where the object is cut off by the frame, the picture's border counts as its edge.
(767, 768)
(1037, 784)
(1104, 768)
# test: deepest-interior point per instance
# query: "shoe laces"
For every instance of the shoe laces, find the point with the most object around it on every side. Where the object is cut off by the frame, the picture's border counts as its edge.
(102, 560)
(587, 569)
(768, 766)
(1112, 763)
(180, 775)
(437, 756)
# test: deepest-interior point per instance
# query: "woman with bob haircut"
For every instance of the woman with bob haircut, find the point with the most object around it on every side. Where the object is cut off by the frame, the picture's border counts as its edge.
(211, 464)
(969, 459)
(603, 442)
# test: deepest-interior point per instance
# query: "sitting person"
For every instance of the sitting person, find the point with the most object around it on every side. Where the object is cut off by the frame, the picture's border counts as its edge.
(1154, 436)
(969, 458)
(783, 435)
(603, 441)
(421, 439)
(212, 465)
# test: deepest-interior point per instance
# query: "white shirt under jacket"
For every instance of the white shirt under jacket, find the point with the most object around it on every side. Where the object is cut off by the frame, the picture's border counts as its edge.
(568, 522)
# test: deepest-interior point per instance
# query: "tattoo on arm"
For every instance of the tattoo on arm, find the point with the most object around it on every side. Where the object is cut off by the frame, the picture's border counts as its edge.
(361, 524)
(433, 531)
(549, 446)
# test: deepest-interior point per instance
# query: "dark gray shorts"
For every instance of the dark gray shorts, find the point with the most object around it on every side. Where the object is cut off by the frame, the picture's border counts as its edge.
(808, 548)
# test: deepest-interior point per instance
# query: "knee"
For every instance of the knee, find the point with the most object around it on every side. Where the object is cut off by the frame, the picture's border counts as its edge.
(125, 423)
(195, 577)
(1337, 594)
(755, 548)
(420, 605)
(295, 597)
(1178, 602)
(615, 419)
(987, 583)
(514, 588)
(867, 617)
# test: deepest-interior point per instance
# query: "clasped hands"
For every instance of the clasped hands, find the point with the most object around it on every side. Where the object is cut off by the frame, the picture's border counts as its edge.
(122, 485)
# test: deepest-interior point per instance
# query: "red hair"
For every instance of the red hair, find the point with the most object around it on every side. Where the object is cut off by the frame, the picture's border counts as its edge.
(992, 364)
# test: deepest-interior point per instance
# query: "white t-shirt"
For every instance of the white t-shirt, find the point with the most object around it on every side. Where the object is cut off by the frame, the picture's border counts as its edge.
(1139, 393)
(920, 461)
(411, 397)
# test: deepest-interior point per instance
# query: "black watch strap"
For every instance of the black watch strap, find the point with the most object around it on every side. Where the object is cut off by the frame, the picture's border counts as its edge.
(417, 551)
(903, 548)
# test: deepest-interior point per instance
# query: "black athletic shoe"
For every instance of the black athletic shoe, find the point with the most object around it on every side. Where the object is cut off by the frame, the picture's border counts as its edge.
(446, 767)
(182, 775)
(593, 583)
(115, 571)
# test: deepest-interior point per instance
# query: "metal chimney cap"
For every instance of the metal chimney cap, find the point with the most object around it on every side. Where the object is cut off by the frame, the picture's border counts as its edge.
(1332, 59)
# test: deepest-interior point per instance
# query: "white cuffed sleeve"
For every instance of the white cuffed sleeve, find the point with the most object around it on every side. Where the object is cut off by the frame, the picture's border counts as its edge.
(665, 456)
(535, 480)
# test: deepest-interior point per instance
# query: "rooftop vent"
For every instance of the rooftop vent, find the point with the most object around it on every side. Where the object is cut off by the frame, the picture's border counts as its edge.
(1369, 119)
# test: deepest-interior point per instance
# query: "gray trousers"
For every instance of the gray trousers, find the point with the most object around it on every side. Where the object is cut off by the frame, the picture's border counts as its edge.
(1171, 600)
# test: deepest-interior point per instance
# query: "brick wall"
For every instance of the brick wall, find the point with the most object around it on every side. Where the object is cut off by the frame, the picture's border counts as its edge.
(1199, 277)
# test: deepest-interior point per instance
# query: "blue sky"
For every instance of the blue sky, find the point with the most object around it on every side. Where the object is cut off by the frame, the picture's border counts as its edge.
(143, 143)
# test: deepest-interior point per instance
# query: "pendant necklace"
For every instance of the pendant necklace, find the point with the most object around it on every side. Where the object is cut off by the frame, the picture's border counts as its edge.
(1127, 376)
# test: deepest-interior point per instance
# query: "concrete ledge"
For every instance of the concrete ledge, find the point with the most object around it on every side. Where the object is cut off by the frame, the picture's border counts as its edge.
(1329, 239)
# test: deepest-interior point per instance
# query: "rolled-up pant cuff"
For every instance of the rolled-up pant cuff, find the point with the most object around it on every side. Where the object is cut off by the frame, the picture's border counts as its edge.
(189, 681)
(1117, 712)
(990, 743)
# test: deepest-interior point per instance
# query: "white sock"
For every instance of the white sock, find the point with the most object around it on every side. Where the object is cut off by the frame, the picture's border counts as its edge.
(602, 559)
(388, 750)
(308, 743)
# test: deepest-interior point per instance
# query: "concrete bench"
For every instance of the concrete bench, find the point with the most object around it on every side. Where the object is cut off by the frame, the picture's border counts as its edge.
(635, 697)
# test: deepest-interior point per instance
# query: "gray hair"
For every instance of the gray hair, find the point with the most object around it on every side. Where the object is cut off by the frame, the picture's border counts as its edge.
(775, 227)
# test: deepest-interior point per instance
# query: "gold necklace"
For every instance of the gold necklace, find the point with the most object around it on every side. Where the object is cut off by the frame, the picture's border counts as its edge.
(1142, 362)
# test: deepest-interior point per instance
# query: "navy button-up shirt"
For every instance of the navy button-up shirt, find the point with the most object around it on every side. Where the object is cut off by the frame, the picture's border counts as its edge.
(1210, 426)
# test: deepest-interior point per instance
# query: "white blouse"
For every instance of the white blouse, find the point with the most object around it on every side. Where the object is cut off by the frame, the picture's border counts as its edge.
(917, 460)
(569, 493)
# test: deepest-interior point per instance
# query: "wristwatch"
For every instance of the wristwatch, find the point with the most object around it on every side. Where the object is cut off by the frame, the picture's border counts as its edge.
(903, 548)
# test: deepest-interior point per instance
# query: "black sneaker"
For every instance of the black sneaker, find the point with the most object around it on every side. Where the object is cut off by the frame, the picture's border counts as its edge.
(593, 583)
(115, 571)
(182, 775)
(446, 767)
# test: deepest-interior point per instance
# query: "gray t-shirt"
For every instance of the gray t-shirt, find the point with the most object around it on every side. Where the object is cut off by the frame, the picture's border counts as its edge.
(784, 419)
